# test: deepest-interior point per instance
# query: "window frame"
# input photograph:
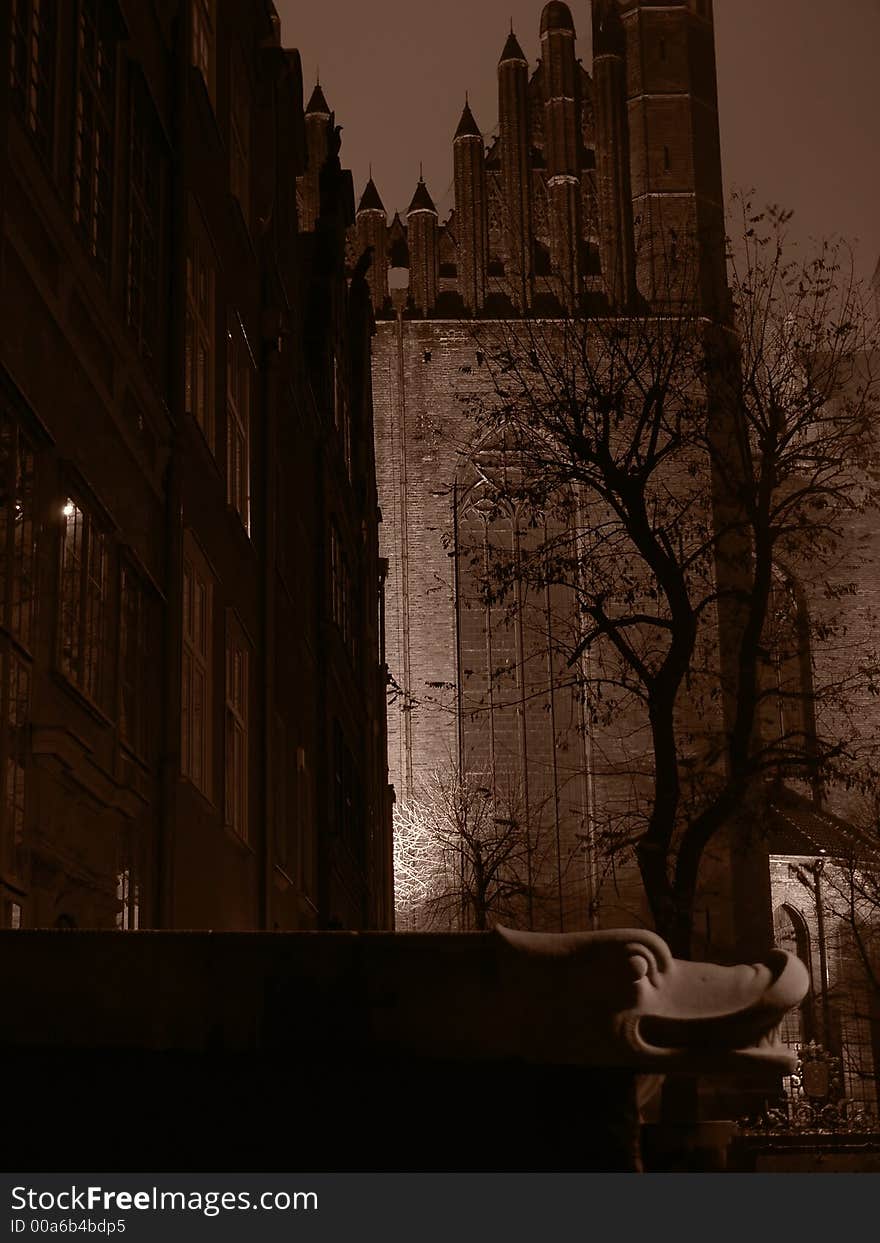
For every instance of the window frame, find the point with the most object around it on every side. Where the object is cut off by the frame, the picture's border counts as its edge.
(239, 390)
(236, 801)
(86, 618)
(144, 244)
(200, 356)
(240, 120)
(136, 737)
(197, 651)
(203, 45)
(33, 69)
(94, 172)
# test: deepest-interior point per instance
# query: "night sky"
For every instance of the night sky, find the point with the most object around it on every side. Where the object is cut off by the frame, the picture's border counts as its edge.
(798, 83)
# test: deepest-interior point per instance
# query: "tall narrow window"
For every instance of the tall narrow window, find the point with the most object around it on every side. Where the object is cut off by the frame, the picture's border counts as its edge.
(342, 414)
(240, 135)
(238, 422)
(135, 661)
(18, 566)
(283, 775)
(199, 359)
(195, 706)
(236, 733)
(347, 796)
(203, 44)
(32, 68)
(305, 828)
(17, 592)
(83, 600)
(127, 901)
(144, 223)
(13, 737)
(340, 587)
(95, 128)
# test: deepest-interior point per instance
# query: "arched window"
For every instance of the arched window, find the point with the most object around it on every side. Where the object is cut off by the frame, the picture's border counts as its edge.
(791, 933)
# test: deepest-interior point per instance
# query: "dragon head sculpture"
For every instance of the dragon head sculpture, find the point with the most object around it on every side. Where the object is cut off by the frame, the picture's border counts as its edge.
(619, 998)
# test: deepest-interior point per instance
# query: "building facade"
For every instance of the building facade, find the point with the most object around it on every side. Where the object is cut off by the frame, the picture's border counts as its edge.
(192, 718)
(600, 194)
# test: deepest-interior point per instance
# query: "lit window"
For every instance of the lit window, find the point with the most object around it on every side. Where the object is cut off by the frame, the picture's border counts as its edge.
(195, 707)
(128, 902)
(199, 360)
(145, 195)
(240, 137)
(236, 734)
(32, 67)
(203, 47)
(95, 128)
(82, 615)
(238, 422)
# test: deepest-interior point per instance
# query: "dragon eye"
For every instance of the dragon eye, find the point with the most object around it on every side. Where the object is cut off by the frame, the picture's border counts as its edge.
(640, 965)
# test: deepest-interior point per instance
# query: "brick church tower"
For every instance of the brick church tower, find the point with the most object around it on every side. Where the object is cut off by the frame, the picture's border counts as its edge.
(596, 185)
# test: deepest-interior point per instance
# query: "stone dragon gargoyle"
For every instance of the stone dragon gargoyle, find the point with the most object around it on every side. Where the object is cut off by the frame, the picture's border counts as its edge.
(613, 998)
(619, 998)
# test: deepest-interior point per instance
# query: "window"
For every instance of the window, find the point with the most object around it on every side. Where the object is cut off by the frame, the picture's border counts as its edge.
(135, 662)
(95, 129)
(340, 588)
(18, 565)
(347, 796)
(790, 932)
(203, 47)
(83, 600)
(13, 747)
(17, 592)
(195, 705)
(236, 733)
(144, 223)
(342, 413)
(306, 853)
(128, 901)
(32, 68)
(199, 360)
(282, 777)
(240, 136)
(238, 422)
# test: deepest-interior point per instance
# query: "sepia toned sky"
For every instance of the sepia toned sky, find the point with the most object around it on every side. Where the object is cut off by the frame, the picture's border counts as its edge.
(798, 83)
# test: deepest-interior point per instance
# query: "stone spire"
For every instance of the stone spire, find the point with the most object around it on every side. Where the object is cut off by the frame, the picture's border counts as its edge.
(562, 137)
(424, 249)
(471, 211)
(318, 120)
(371, 224)
(613, 187)
(513, 117)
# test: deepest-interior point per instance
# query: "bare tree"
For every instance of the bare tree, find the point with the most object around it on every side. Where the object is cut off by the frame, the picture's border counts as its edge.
(686, 478)
(465, 856)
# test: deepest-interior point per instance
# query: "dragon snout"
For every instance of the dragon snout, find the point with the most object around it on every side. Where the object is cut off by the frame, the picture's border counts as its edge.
(717, 1011)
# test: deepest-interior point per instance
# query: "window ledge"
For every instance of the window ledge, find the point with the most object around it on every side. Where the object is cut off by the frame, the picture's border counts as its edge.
(238, 840)
(81, 698)
(183, 779)
(238, 523)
